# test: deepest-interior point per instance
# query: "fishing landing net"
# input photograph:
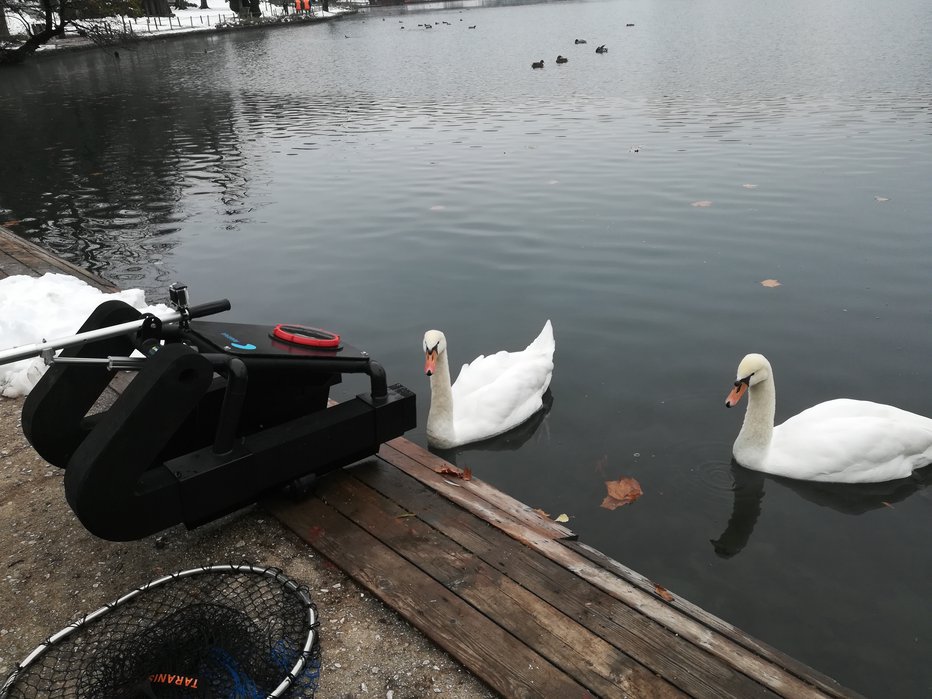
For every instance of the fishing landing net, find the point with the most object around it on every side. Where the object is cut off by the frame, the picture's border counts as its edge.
(226, 631)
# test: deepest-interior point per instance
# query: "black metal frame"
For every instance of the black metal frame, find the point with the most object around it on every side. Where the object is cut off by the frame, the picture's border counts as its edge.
(218, 416)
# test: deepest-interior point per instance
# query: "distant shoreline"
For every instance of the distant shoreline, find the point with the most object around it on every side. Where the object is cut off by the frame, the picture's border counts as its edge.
(71, 43)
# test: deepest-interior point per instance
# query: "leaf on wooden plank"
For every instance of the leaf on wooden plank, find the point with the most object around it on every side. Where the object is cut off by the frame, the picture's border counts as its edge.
(663, 592)
(770, 283)
(10, 223)
(702, 204)
(405, 515)
(562, 518)
(621, 492)
(542, 513)
(465, 474)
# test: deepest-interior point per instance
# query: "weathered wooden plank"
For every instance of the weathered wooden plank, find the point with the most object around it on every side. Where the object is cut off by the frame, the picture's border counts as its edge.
(649, 602)
(42, 261)
(772, 676)
(426, 467)
(39, 264)
(441, 615)
(594, 663)
(10, 266)
(687, 665)
(826, 684)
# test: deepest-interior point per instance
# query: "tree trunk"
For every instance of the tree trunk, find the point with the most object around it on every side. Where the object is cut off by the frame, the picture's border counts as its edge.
(325, 5)
(254, 10)
(156, 8)
(204, 5)
(24, 50)
(4, 29)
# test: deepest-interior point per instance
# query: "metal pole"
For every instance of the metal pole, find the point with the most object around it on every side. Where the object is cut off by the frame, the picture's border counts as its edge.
(112, 363)
(14, 354)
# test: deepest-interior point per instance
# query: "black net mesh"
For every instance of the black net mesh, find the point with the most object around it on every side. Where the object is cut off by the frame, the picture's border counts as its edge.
(223, 631)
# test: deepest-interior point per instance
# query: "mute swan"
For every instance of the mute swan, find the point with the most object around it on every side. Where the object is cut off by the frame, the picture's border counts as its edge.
(491, 395)
(842, 441)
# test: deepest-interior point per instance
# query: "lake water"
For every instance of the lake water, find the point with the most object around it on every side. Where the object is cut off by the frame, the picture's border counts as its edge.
(380, 181)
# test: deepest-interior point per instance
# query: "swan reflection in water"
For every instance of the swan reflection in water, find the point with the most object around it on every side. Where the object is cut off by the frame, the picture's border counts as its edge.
(847, 498)
(512, 440)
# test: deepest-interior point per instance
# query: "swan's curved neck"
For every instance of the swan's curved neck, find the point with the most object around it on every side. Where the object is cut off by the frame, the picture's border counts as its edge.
(753, 441)
(440, 416)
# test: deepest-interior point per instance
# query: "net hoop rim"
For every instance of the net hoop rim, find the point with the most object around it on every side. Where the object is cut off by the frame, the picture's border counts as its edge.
(300, 591)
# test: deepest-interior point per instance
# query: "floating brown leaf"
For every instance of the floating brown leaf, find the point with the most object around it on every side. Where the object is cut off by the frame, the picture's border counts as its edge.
(702, 204)
(663, 592)
(610, 503)
(624, 489)
(621, 492)
(770, 282)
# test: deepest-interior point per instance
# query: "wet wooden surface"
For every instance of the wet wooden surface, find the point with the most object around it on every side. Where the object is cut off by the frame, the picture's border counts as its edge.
(19, 256)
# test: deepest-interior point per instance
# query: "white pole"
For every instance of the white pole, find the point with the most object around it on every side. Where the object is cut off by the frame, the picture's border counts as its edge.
(14, 354)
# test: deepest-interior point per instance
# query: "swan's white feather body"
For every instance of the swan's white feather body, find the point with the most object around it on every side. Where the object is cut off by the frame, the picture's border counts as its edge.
(851, 441)
(841, 441)
(491, 395)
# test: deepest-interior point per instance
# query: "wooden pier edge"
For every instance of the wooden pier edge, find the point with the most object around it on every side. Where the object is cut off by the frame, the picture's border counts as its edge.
(679, 615)
(21, 256)
(509, 593)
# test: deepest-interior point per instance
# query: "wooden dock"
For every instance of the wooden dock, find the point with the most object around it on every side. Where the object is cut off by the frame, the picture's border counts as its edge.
(508, 592)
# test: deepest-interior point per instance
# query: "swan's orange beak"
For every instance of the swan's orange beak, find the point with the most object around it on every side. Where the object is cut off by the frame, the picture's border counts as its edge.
(739, 390)
(430, 363)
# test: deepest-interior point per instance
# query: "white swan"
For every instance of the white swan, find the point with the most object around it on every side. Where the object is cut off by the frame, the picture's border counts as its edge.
(491, 395)
(842, 441)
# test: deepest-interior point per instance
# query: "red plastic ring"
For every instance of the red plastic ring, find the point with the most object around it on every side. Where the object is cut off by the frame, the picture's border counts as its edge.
(307, 336)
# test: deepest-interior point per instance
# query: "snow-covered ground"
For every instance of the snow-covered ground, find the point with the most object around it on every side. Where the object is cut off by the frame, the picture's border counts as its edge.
(35, 309)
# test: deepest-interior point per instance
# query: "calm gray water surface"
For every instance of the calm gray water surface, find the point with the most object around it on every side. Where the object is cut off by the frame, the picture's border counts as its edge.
(380, 181)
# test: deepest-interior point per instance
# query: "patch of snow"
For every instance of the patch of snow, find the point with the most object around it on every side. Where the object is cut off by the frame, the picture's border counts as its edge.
(33, 309)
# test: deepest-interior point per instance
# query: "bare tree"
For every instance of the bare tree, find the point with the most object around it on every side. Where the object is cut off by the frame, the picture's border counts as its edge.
(4, 29)
(47, 19)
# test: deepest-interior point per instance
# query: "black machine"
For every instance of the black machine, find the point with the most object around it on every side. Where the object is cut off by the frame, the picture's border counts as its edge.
(218, 415)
